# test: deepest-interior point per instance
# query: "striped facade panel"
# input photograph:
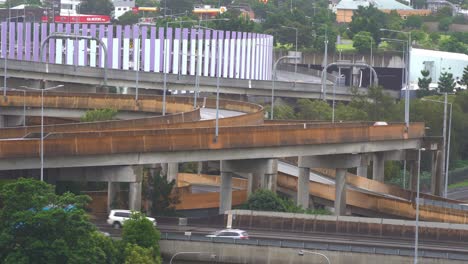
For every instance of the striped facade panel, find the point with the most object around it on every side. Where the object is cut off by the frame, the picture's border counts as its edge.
(182, 51)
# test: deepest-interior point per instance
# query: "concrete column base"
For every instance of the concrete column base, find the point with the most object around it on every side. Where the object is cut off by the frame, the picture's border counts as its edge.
(134, 196)
(225, 196)
(340, 192)
(172, 171)
(113, 189)
(378, 167)
(303, 188)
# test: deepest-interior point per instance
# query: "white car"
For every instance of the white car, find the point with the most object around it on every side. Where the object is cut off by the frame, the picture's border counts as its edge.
(116, 218)
(230, 233)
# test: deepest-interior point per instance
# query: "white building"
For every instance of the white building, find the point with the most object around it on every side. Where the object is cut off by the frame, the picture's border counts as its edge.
(436, 62)
(122, 6)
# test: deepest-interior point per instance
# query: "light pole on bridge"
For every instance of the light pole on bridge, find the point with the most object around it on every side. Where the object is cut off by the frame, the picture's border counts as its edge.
(42, 122)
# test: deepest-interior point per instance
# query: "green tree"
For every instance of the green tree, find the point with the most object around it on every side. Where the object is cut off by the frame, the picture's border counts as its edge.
(97, 7)
(446, 83)
(313, 110)
(177, 6)
(13, 3)
(162, 196)
(140, 231)
(445, 23)
(377, 104)
(369, 19)
(349, 113)
(98, 115)
(464, 79)
(128, 18)
(38, 226)
(362, 41)
(423, 84)
(265, 200)
(284, 112)
(414, 22)
(451, 44)
(136, 254)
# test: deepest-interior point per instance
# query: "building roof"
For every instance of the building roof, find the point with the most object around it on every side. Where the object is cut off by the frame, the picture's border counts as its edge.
(440, 54)
(380, 4)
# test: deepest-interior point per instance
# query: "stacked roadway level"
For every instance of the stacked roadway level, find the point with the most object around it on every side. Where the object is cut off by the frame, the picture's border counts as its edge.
(183, 137)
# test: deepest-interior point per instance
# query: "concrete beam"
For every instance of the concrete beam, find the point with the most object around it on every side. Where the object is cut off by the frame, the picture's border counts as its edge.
(207, 155)
(97, 174)
(363, 167)
(330, 161)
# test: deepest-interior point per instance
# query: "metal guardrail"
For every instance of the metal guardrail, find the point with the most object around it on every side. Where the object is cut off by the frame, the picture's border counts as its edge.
(326, 246)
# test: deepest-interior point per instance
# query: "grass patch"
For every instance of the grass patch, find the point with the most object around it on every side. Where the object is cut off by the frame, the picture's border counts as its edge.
(345, 47)
(458, 184)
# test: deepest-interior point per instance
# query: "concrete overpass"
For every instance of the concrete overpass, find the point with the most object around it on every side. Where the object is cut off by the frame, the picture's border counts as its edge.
(37, 71)
(245, 143)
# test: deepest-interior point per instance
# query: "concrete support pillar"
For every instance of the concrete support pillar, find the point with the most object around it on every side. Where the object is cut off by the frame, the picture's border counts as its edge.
(225, 198)
(303, 187)
(340, 192)
(362, 168)
(134, 196)
(113, 189)
(258, 181)
(378, 164)
(199, 167)
(164, 168)
(250, 188)
(437, 181)
(172, 171)
(271, 175)
(2, 121)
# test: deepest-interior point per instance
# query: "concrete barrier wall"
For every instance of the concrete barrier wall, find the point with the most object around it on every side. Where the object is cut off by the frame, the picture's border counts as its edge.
(376, 227)
(232, 253)
(99, 143)
(208, 200)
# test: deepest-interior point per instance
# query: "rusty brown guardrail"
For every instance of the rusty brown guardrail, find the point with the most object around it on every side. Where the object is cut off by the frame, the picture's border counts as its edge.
(187, 117)
(378, 203)
(96, 143)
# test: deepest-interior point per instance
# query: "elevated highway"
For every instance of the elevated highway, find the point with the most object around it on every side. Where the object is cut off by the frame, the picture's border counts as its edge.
(183, 137)
(26, 70)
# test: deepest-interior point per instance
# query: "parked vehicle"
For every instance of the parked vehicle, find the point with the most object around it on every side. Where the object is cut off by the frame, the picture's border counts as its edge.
(230, 233)
(117, 218)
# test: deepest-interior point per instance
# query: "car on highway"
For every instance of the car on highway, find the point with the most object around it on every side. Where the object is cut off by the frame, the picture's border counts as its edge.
(117, 218)
(230, 233)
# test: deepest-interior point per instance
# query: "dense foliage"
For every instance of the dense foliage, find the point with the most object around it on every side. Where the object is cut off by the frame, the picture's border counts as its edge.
(39, 226)
(265, 200)
(98, 115)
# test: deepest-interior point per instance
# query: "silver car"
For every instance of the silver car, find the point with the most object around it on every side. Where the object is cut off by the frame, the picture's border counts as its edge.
(230, 233)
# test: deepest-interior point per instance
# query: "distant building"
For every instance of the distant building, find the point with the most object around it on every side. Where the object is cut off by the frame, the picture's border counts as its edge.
(207, 11)
(122, 6)
(345, 8)
(436, 62)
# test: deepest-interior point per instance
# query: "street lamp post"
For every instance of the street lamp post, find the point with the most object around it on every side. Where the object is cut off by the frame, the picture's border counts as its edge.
(274, 84)
(408, 50)
(295, 61)
(446, 139)
(42, 122)
(302, 251)
(416, 235)
(191, 253)
(198, 66)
